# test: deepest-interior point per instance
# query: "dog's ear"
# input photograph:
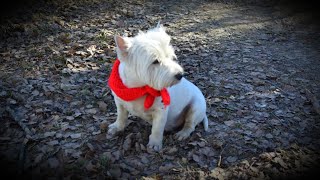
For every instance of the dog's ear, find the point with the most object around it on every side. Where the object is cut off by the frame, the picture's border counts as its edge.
(123, 44)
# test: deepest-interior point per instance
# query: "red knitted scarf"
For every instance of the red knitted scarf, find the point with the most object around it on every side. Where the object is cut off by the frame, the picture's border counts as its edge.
(130, 94)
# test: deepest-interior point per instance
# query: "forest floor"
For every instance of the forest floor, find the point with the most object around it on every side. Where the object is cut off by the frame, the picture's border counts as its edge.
(257, 65)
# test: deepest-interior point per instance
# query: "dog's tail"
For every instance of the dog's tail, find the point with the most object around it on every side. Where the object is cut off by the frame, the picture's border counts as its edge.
(205, 123)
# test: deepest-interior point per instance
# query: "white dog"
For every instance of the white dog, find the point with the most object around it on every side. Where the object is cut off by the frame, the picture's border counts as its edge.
(147, 82)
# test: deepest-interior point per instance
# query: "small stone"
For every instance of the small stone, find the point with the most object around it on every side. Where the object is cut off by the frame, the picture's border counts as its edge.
(35, 93)
(184, 160)
(232, 159)
(75, 136)
(144, 160)
(49, 134)
(269, 136)
(103, 126)
(70, 118)
(12, 101)
(229, 123)
(172, 150)
(91, 111)
(102, 106)
(115, 172)
(3, 93)
(53, 143)
(53, 162)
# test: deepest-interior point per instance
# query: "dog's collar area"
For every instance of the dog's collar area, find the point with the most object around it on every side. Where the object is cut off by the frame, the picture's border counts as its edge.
(130, 94)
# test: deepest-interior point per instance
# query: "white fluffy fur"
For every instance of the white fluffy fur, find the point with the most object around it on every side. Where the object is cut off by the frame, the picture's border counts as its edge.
(137, 55)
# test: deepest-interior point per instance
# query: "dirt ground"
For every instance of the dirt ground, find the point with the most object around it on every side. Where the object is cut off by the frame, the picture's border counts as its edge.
(256, 62)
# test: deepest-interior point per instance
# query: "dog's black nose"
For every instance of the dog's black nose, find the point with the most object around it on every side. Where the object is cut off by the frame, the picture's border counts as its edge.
(178, 76)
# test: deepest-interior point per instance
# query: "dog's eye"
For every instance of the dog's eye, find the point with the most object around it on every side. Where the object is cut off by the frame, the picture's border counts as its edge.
(156, 61)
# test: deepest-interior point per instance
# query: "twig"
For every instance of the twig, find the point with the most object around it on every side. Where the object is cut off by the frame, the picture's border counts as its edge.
(220, 157)
(254, 161)
(275, 116)
(314, 101)
(219, 162)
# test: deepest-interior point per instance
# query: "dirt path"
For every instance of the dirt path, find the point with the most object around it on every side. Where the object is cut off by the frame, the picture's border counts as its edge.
(257, 65)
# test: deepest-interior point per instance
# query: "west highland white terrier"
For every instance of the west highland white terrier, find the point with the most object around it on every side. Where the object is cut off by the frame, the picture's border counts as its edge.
(147, 82)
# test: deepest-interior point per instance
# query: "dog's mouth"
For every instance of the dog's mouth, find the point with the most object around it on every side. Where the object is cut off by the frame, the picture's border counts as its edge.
(174, 82)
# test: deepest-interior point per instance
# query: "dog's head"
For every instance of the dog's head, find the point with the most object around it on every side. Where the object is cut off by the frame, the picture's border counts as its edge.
(150, 57)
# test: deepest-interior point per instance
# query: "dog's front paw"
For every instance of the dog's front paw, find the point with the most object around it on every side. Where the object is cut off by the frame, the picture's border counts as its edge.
(114, 128)
(181, 135)
(155, 145)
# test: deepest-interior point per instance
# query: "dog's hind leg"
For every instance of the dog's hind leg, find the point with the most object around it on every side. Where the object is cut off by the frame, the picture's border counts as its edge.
(193, 117)
(205, 123)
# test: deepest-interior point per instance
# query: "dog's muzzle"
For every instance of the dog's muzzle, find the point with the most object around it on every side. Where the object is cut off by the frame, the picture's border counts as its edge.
(179, 76)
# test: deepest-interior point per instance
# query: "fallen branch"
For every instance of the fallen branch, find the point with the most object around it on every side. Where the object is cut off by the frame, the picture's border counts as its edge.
(22, 156)
(17, 118)
(47, 156)
(314, 101)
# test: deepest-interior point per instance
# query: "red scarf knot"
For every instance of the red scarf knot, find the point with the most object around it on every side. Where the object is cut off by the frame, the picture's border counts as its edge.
(130, 94)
